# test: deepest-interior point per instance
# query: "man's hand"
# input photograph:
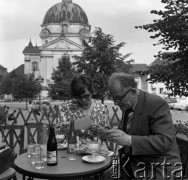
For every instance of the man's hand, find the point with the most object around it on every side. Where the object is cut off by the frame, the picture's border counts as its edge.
(119, 137)
(99, 131)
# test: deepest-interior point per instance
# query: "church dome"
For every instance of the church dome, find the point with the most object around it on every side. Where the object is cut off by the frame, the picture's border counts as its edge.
(65, 11)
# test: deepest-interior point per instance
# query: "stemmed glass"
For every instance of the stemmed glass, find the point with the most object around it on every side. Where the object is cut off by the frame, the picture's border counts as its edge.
(93, 147)
(60, 136)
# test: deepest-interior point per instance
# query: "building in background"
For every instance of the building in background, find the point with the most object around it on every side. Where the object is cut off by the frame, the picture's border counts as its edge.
(158, 88)
(65, 26)
(137, 70)
(3, 71)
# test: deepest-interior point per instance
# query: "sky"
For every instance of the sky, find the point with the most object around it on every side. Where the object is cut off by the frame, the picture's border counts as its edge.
(20, 21)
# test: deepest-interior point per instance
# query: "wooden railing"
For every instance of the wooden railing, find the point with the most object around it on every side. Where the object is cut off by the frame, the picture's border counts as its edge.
(26, 127)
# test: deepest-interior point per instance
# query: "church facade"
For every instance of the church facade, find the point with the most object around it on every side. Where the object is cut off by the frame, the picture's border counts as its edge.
(65, 26)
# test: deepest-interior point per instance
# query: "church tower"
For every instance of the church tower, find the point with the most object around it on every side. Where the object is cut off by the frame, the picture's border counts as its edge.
(65, 26)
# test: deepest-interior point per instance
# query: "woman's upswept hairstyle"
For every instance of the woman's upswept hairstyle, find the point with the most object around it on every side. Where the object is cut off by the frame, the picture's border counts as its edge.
(79, 84)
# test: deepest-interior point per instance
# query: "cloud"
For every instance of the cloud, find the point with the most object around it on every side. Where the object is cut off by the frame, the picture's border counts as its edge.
(115, 7)
(21, 18)
(11, 53)
(142, 52)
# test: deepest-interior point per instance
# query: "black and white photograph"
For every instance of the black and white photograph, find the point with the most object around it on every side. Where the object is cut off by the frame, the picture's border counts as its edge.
(93, 89)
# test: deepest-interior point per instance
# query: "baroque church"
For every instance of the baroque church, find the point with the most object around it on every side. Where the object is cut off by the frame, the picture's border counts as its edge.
(64, 27)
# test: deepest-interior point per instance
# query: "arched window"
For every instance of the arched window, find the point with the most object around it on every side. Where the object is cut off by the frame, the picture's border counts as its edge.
(35, 66)
(65, 28)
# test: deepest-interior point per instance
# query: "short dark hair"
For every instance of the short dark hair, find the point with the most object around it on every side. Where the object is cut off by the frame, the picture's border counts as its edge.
(126, 80)
(79, 84)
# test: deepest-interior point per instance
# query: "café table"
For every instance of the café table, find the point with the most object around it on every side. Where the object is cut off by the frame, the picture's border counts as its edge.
(65, 169)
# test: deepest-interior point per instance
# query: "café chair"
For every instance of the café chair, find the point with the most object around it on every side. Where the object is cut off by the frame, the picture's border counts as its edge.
(182, 141)
(9, 174)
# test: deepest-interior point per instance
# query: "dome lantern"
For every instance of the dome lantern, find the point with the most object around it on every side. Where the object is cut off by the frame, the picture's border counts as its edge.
(66, 1)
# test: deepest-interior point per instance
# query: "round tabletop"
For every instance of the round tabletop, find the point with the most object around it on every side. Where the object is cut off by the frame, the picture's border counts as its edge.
(66, 168)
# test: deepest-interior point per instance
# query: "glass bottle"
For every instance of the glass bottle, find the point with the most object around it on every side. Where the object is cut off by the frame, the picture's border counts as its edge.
(52, 148)
(71, 137)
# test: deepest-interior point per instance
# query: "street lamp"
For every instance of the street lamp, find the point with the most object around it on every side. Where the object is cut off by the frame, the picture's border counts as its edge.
(40, 80)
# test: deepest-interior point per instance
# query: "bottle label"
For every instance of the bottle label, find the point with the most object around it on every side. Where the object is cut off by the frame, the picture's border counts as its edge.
(51, 157)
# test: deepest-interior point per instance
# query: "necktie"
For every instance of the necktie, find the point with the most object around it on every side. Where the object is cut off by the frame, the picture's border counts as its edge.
(127, 119)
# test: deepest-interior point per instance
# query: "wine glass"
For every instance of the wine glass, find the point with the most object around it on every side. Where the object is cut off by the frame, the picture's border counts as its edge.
(93, 147)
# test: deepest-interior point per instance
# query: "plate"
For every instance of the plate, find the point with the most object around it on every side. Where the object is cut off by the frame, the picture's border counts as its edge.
(97, 159)
(102, 152)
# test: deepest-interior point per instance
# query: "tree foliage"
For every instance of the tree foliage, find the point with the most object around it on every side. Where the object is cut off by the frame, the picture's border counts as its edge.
(26, 86)
(20, 86)
(100, 58)
(61, 78)
(171, 31)
(8, 83)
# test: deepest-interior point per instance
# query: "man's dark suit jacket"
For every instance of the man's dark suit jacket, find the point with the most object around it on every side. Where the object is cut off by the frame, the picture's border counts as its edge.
(153, 138)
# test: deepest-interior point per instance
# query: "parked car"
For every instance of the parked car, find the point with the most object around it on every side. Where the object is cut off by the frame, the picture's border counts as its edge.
(181, 104)
(38, 105)
(41, 101)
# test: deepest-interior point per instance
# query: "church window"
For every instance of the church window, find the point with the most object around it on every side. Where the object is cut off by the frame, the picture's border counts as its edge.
(65, 28)
(35, 66)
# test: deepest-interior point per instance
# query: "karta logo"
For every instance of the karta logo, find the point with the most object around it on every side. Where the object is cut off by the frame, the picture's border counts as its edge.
(149, 172)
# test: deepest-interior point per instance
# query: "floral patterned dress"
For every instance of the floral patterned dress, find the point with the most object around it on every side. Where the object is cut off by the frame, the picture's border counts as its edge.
(71, 109)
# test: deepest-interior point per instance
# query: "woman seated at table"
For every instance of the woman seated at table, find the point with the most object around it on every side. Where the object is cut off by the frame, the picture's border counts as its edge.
(83, 108)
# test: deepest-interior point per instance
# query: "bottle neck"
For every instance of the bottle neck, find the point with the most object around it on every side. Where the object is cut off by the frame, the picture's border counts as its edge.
(52, 137)
(72, 130)
(51, 130)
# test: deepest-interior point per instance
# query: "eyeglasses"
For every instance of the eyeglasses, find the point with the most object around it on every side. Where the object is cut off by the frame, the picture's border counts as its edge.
(119, 98)
(86, 96)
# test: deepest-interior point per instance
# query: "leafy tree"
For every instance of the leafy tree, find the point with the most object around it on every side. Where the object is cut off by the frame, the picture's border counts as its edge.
(61, 78)
(7, 83)
(100, 58)
(27, 87)
(171, 31)
(20, 86)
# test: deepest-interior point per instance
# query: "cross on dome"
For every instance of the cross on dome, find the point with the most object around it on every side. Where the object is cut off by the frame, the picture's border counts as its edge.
(67, 1)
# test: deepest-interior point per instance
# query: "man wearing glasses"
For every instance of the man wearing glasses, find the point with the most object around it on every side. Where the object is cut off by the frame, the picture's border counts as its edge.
(146, 133)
